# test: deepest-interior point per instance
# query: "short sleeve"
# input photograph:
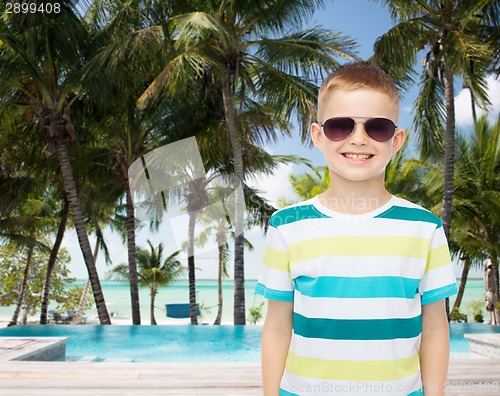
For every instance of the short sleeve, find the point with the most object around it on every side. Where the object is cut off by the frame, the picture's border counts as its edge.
(274, 281)
(439, 280)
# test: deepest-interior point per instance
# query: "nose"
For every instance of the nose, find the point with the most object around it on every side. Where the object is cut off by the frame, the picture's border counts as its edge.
(358, 135)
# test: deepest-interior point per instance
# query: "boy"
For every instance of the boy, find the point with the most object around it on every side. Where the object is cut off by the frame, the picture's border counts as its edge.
(355, 277)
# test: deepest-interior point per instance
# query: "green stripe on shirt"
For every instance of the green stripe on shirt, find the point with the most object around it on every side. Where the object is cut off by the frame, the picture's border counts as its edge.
(295, 213)
(357, 329)
(411, 214)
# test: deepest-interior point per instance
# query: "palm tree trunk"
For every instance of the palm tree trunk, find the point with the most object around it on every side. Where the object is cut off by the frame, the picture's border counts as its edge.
(472, 101)
(493, 239)
(449, 154)
(22, 291)
(496, 311)
(191, 271)
(132, 261)
(25, 314)
(239, 263)
(85, 291)
(463, 282)
(152, 307)
(218, 319)
(473, 107)
(81, 304)
(494, 261)
(449, 158)
(83, 239)
(52, 261)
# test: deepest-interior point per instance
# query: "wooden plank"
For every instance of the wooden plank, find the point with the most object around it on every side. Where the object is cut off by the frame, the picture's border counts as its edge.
(466, 377)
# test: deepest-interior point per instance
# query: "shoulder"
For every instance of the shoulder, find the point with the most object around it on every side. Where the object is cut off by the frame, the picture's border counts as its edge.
(405, 210)
(295, 213)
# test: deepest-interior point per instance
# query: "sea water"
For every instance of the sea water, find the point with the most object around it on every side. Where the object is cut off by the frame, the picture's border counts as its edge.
(117, 297)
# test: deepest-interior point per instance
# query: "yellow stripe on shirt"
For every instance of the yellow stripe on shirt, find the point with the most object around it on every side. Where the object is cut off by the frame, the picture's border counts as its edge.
(438, 257)
(352, 370)
(358, 246)
(275, 259)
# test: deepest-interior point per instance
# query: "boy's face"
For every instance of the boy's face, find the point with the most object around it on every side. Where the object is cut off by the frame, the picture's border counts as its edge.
(358, 157)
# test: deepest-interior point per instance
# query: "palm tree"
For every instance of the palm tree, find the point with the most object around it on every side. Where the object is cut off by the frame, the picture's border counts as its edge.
(26, 227)
(52, 260)
(130, 30)
(219, 229)
(476, 227)
(25, 173)
(154, 271)
(41, 64)
(478, 193)
(453, 34)
(104, 216)
(238, 44)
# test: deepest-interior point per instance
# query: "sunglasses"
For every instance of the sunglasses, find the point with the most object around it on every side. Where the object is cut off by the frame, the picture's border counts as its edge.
(339, 128)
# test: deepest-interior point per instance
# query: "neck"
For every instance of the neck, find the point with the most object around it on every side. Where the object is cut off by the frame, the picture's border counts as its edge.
(354, 197)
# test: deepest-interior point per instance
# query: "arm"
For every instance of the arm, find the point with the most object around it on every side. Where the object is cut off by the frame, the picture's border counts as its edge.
(434, 348)
(276, 336)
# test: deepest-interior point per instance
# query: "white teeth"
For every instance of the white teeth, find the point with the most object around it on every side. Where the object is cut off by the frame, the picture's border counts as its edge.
(357, 156)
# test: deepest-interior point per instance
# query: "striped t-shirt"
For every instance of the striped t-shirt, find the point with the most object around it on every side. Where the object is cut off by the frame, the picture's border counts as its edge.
(357, 283)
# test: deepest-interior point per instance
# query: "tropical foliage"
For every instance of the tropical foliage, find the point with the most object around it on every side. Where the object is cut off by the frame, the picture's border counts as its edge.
(455, 36)
(12, 267)
(154, 271)
(249, 52)
(40, 75)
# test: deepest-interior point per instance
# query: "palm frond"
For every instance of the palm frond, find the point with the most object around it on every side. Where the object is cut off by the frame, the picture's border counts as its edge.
(258, 208)
(430, 115)
(310, 53)
(467, 9)
(263, 17)
(288, 94)
(401, 9)
(29, 65)
(175, 76)
(396, 51)
(194, 28)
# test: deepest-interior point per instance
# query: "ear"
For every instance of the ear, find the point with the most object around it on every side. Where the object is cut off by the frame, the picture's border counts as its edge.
(398, 140)
(317, 136)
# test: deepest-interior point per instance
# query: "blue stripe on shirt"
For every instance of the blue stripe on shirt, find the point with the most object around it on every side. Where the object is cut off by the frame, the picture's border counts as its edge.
(362, 287)
(438, 294)
(273, 294)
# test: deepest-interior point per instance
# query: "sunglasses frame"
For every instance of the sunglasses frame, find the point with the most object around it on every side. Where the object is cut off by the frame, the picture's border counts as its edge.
(354, 127)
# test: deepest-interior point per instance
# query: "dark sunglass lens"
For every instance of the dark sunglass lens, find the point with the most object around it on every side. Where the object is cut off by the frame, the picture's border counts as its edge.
(338, 128)
(380, 129)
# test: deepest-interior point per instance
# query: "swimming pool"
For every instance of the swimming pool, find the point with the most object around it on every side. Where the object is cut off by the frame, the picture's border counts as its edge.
(152, 343)
(183, 343)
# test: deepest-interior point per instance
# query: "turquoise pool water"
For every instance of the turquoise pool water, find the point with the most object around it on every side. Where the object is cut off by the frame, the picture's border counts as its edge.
(183, 343)
(459, 344)
(153, 343)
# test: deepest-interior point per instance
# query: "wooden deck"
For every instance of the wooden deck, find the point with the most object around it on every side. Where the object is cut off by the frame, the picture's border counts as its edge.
(466, 377)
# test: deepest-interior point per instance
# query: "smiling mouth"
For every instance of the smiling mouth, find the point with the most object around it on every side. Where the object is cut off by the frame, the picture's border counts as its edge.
(357, 156)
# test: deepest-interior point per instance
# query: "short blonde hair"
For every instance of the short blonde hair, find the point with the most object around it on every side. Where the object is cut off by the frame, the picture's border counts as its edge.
(357, 75)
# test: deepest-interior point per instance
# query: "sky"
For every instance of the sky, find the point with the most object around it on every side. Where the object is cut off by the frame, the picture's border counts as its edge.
(362, 20)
